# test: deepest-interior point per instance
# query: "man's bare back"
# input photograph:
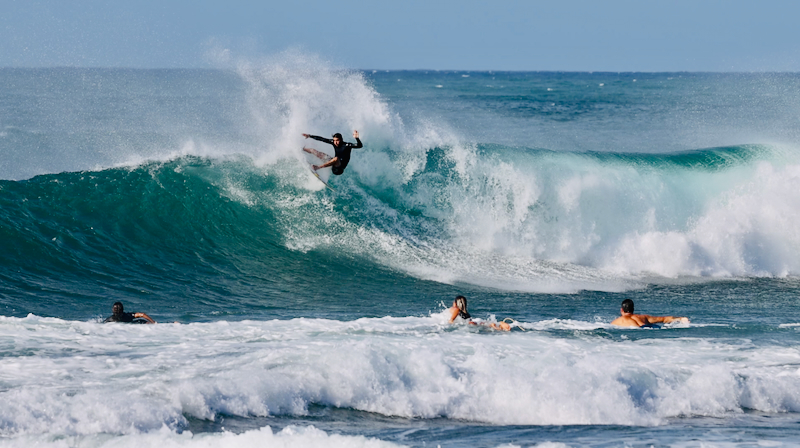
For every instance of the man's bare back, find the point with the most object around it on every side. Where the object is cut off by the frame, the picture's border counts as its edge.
(628, 319)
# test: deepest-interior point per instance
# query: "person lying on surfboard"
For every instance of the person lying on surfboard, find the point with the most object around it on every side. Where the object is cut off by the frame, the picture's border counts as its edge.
(628, 319)
(341, 158)
(459, 309)
(119, 315)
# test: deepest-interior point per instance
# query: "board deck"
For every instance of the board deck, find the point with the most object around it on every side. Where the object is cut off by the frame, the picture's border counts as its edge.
(323, 177)
(320, 179)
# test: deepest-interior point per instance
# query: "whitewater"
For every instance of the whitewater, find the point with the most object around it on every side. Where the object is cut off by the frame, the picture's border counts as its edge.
(294, 315)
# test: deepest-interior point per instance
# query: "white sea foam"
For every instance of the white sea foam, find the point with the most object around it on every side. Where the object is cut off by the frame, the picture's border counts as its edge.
(294, 93)
(507, 225)
(748, 230)
(509, 221)
(292, 436)
(89, 379)
(512, 221)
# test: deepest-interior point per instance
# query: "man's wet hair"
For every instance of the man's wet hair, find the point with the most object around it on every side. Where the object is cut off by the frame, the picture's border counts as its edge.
(627, 306)
(338, 135)
(117, 308)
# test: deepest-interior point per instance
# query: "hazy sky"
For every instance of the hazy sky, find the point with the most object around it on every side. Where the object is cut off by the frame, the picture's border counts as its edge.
(571, 35)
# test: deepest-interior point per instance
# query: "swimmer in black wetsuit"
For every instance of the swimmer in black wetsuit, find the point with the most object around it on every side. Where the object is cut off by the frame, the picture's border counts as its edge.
(120, 316)
(341, 158)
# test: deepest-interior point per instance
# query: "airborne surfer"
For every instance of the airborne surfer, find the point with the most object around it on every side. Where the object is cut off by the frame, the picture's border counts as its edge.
(342, 152)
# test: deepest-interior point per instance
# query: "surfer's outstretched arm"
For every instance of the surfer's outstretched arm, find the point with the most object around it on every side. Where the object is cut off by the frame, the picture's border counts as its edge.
(666, 319)
(317, 137)
(358, 140)
(145, 317)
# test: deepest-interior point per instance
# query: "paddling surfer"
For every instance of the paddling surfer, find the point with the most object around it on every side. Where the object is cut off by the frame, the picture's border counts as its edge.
(342, 156)
(628, 319)
(120, 316)
(459, 309)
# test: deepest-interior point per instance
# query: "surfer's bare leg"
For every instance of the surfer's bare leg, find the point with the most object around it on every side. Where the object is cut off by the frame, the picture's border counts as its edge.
(332, 162)
(321, 155)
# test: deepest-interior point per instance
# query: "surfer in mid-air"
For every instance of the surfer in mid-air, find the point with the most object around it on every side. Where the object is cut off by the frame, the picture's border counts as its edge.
(342, 157)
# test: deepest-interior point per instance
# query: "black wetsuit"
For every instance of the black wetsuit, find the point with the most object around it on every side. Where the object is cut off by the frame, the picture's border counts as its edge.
(342, 152)
(124, 317)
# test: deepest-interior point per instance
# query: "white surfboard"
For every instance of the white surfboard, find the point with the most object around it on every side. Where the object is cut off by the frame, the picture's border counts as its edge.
(324, 174)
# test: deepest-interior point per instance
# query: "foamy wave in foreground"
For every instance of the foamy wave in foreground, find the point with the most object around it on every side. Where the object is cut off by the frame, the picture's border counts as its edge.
(292, 436)
(92, 379)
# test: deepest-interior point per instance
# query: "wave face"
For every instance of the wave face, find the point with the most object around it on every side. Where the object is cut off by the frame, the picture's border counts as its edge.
(507, 218)
(209, 190)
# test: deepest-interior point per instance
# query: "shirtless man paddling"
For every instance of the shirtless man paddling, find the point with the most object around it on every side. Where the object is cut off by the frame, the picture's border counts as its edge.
(628, 319)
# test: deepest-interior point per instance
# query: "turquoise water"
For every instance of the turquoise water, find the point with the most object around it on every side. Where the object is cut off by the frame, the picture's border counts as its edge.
(293, 314)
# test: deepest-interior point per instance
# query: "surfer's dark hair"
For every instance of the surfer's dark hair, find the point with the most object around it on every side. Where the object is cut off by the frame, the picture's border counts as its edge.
(117, 308)
(338, 135)
(627, 305)
(461, 304)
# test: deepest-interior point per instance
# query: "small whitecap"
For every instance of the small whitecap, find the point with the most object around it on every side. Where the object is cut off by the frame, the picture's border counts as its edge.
(602, 84)
(549, 89)
(465, 76)
(439, 86)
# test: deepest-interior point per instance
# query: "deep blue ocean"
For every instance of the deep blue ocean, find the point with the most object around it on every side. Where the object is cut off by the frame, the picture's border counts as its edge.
(294, 315)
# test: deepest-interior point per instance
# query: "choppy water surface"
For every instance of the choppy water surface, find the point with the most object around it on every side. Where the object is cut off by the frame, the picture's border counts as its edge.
(295, 315)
